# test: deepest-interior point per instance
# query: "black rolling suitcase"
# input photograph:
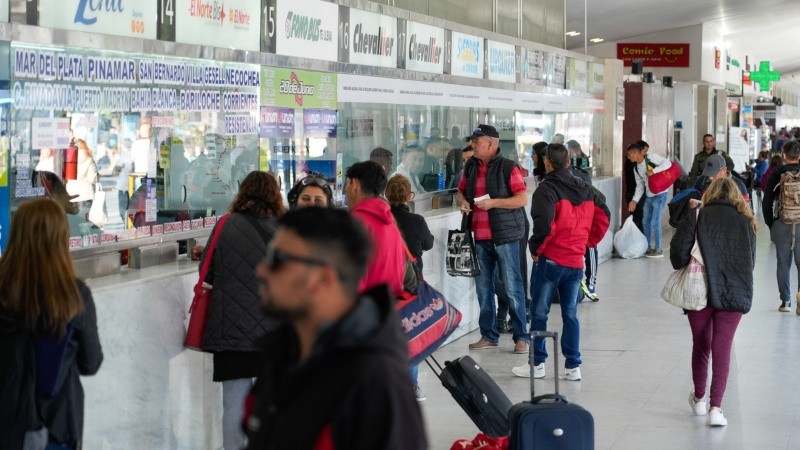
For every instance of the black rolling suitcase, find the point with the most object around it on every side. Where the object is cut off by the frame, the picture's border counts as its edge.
(549, 421)
(477, 394)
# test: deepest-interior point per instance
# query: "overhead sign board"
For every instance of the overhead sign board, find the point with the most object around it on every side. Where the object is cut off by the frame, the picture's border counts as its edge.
(578, 71)
(230, 24)
(367, 38)
(533, 67)
(120, 18)
(299, 89)
(423, 49)
(307, 29)
(654, 54)
(466, 55)
(501, 60)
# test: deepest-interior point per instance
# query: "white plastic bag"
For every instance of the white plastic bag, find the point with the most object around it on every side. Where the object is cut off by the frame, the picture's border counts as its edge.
(629, 242)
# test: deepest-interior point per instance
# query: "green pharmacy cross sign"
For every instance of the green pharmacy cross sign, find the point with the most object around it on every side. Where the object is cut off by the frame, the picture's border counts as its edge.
(763, 76)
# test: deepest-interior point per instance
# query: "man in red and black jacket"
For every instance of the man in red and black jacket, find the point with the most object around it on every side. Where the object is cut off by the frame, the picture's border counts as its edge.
(568, 216)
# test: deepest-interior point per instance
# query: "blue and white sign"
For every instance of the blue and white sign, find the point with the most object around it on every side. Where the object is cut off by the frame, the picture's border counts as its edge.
(307, 28)
(502, 61)
(466, 55)
(118, 17)
(533, 67)
(229, 23)
(424, 48)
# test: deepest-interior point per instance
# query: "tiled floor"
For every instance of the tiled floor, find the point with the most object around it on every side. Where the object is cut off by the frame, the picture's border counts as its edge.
(636, 352)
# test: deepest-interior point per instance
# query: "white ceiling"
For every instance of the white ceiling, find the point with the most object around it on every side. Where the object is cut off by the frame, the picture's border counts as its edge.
(762, 29)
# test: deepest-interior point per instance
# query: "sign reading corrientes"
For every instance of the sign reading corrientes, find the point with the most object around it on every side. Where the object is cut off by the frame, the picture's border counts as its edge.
(654, 55)
(298, 89)
(118, 17)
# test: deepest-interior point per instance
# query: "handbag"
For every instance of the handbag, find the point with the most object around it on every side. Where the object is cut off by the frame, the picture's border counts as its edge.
(427, 319)
(461, 258)
(202, 297)
(661, 181)
(687, 287)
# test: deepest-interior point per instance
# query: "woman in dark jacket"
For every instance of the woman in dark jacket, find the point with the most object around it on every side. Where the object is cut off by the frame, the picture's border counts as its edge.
(726, 235)
(235, 318)
(42, 296)
(413, 226)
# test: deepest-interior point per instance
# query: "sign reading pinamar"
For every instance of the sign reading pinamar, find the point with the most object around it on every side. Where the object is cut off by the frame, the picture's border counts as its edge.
(298, 89)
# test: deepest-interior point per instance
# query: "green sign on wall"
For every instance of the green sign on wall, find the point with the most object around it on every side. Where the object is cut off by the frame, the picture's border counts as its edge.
(298, 89)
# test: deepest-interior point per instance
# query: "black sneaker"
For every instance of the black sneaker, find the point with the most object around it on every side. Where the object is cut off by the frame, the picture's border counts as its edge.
(785, 307)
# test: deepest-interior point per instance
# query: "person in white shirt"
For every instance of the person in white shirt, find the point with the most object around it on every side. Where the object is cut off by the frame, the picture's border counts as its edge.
(646, 166)
(412, 162)
(46, 161)
(140, 151)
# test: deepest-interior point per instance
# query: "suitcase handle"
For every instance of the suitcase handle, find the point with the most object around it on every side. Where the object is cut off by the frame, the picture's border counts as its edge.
(434, 369)
(545, 334)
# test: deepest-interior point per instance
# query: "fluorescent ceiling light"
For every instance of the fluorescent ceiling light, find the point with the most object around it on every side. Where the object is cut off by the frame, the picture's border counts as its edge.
(573, 33)
(596, 40)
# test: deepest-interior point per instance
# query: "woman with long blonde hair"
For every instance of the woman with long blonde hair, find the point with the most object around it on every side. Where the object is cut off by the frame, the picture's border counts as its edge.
(40, 293)
(725, 230)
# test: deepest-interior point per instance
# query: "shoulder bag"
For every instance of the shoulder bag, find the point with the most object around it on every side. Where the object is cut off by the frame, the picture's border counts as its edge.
(661, 181)
(462, 261)
(687, 287)
(202, 296)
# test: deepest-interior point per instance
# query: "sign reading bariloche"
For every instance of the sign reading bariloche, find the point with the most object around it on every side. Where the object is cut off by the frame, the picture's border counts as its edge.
(118, 17)
(45, 80)
(307, 29)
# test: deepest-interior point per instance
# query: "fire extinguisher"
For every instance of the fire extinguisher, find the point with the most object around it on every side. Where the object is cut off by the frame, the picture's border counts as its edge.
(70, 168)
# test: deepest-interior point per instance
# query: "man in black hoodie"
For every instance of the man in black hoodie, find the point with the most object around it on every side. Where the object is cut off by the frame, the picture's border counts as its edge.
(784, 234)
(337, 375)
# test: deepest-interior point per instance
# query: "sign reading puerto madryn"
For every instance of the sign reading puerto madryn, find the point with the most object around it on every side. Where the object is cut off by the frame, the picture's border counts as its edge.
(307, 29)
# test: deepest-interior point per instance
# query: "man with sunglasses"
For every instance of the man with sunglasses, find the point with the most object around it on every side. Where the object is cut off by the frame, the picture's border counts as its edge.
(493, 192)
(337, 374)
(364, 186)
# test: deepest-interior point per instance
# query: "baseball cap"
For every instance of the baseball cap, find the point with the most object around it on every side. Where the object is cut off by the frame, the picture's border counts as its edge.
(714, 164)
(483, 130)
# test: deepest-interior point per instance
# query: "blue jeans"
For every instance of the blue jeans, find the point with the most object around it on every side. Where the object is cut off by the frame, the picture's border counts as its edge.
(506, 258)
(653, 210)
(413, 372)
(547, 278)
(781, 235)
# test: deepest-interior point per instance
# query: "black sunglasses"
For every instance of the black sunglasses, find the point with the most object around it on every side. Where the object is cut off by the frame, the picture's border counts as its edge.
(314, 181)
(275, 259)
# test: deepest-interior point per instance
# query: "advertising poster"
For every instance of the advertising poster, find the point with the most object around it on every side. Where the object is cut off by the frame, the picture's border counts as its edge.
(466, 55)
(367, 38)
(49, 133)
(230, 24)
(131, 19)
(319, 123)
(739, 146)
(556, 71)
(307, 29)
(276, 122)
(501, 61)
(300, 89)
(424, 48)
(533, 67)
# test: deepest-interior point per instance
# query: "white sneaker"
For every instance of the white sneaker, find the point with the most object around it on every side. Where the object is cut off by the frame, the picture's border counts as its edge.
(716, 419)
(698, 405)
(573, 374)
(524, 371)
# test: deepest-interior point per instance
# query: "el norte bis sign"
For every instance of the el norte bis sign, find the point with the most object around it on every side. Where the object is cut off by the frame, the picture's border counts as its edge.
(654, 54)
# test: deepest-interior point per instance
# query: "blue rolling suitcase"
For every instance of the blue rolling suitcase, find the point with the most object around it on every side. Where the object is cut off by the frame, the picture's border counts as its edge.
(549, 421)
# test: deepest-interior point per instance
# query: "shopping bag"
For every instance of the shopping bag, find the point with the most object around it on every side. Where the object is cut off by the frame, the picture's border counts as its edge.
(661, 181)
(629, 242)
(427, 319)
(687, 287)
(461, 258)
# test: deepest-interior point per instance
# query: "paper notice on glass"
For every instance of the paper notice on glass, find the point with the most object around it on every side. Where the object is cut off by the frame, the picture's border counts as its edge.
(150, 210)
